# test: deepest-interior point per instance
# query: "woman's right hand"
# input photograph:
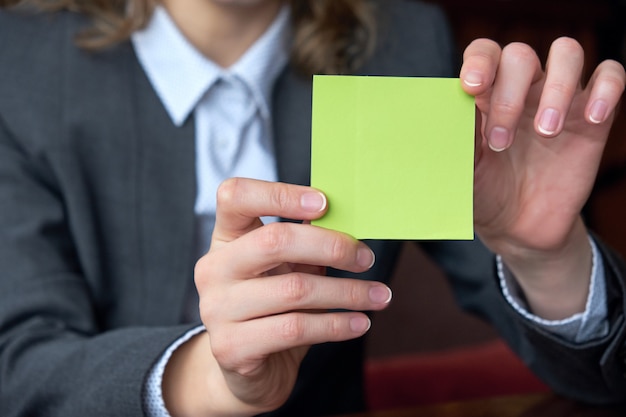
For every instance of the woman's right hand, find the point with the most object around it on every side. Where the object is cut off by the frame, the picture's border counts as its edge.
(264, 299)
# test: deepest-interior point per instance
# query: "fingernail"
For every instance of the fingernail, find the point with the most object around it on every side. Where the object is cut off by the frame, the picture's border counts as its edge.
(549, 122)
(380, 294)
(499, 139)
(473, 79)
(598, 112)
(313, 202)
(365, 258)
(360, 324)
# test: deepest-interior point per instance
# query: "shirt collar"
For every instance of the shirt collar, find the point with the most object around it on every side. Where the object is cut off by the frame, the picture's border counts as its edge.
(181, 75)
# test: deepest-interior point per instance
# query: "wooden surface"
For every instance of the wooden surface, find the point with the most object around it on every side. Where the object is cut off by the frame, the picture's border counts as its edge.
(538, 405)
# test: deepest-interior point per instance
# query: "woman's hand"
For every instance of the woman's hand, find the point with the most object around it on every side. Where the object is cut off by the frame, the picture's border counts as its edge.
(264, 298)
(540, 138)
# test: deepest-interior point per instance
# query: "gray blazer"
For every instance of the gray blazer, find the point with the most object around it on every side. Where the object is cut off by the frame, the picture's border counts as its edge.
(97, 190)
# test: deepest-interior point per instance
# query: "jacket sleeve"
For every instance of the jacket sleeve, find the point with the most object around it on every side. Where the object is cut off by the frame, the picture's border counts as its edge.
(56, 357)
(592, 372)
(59, 355)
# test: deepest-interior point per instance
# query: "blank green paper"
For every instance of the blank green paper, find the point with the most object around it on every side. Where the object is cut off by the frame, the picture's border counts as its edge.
(395, 156)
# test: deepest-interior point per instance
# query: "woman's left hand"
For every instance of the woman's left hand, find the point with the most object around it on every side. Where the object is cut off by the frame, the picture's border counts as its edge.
(540, 137)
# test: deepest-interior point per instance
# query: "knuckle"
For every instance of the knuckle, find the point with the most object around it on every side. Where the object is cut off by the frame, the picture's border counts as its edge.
(209, 312)
(202, 271)
(223, 350)
(296, 288)
(293, 327)
(614, 81)
(482, 57)
(506, 108)
(228, 191)
(199, 268)
(337, 249)
(561, 88)
(211, 303)
(335, 328)
(354, 295)
(210, 290)
(212, 311)
(281, 197)
(273, 238)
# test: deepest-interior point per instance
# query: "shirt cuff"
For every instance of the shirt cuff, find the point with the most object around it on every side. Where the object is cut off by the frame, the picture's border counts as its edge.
(153, 403)
(579, 328)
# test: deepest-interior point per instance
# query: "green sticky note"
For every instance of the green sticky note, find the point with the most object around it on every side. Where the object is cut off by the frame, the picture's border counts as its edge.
(395, 156)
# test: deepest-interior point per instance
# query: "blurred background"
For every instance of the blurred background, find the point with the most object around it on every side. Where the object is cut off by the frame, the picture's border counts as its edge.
(423, 320)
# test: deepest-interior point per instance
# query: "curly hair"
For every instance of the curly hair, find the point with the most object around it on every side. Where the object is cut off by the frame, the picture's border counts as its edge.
(330, 36)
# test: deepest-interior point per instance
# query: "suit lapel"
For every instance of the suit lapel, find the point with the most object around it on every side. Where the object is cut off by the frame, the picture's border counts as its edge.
(167, 195)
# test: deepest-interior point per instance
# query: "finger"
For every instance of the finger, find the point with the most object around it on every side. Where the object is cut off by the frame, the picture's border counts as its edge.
(519, 68)
(262, 337)
(271, 245)
(296, 291)
(607, 86)
(563, 74)
(241, 201)
(480, 63)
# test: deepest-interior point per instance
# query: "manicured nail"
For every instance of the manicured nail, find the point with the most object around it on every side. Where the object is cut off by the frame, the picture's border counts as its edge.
(313, 202)
(380, 295)
(549, 122)
(473, 79)
(598, 112)
(360, 324)
(365, 258)
(499, 139)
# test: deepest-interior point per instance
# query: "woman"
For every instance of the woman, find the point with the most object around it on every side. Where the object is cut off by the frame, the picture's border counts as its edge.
(118, 123)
